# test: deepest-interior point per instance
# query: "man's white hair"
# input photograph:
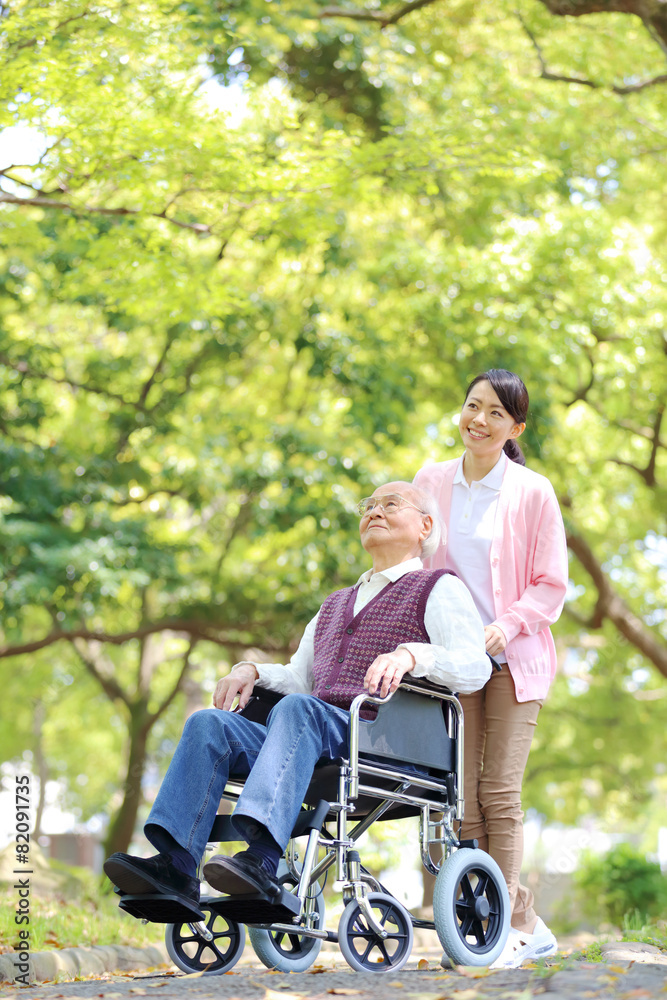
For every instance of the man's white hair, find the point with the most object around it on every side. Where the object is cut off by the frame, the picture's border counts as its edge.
(428, 505)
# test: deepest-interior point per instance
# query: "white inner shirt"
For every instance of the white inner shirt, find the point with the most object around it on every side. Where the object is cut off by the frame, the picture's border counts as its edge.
(470, 534)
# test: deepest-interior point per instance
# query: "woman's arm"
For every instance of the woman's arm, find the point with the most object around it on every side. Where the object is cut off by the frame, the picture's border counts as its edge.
(542, 600)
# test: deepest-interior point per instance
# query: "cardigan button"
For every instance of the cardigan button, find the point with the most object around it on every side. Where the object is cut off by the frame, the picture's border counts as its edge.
(340, 659)
(349, 631)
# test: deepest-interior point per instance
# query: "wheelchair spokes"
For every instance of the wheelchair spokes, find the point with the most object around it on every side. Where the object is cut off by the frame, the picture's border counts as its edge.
(364, 950)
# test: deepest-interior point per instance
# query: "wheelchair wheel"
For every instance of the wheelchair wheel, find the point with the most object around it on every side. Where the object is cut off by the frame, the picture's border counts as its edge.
(362, 949)
(471, 908)
(284, 951)
(191, 953)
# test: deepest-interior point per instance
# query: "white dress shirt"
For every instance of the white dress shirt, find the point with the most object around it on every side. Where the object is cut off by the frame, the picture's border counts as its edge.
(455, 657)
(470, 534)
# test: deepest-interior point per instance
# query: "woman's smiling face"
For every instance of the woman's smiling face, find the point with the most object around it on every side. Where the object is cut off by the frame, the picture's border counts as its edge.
(485, 425)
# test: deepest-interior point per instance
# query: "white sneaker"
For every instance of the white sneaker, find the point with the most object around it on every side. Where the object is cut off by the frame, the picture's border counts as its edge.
(521, 947)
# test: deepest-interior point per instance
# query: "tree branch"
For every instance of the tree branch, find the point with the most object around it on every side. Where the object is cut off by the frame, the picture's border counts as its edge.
(546, 74)
(610, 605)
(355, 14)
(633, 88)
(652, 13)
(178, 685)
(141, 402)
(197, 629)
(22, 366)
(31, 42)
(99, 668)
(40, 202)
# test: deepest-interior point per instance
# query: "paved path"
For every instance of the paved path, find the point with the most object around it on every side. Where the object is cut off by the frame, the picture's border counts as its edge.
(628, 972)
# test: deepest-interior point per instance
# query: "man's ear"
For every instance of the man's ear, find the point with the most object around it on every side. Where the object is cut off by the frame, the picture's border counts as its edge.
(427, 528)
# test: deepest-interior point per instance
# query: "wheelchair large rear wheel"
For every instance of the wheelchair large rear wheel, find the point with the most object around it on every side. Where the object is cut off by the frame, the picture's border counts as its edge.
(471, 908)
(284, 951)
(362, 948)
(191, 953)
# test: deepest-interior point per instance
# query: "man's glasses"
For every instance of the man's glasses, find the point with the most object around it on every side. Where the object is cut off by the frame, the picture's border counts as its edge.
(390, 503)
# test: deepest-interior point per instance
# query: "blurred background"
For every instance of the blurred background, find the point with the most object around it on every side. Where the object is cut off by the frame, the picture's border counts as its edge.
(251, 253)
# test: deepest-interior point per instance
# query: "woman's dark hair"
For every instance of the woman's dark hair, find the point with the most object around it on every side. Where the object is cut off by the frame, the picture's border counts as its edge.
(513, 396)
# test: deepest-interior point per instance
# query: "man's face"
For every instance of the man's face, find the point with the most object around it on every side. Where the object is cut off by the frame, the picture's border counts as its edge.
(398, 533)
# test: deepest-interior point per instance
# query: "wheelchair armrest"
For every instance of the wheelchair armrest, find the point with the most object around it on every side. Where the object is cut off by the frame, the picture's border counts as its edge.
(410, 683)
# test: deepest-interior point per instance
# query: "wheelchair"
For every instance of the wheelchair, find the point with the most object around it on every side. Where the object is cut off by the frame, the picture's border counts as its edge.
(406, 761)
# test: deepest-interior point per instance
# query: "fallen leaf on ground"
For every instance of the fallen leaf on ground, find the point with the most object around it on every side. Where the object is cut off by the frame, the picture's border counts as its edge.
(422, 964)
(189, 975)
(397, 984)
(473, 971)
(342, 991)
(465, 994)
(273, 995)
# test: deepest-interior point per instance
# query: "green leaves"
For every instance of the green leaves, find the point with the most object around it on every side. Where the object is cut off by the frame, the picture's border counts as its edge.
(230, 308)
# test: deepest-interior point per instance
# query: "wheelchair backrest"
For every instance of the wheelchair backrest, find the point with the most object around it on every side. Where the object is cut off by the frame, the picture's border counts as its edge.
(409, 729)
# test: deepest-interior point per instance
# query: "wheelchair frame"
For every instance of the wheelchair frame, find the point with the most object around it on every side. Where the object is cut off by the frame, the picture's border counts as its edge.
(375, 933)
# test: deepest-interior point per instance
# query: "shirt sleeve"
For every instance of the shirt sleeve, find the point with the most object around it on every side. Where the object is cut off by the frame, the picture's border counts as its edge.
(541, 602)
(295, 677)
(456, 656)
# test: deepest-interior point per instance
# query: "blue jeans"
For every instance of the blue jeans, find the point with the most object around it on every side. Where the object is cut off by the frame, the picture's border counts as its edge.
(277, 761)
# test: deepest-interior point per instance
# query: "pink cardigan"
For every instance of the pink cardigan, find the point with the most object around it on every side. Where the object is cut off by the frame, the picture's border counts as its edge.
(528, 568)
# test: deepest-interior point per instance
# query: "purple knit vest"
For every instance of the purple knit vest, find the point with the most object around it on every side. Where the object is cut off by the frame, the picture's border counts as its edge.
(346, 644)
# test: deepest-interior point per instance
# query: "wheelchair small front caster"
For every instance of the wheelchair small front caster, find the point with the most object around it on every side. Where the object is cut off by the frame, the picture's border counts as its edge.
(192, 953)
(471, 908)
(284, 951)
(363, 949)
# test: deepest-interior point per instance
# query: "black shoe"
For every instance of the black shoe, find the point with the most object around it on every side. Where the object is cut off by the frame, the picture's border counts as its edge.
(242, 874)
(137, 876)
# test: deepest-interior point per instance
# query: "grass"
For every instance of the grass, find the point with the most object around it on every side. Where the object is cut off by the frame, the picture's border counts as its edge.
(77, 913)
(650, 933)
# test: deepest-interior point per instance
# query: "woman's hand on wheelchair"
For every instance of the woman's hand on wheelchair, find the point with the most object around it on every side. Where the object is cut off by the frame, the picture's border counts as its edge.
(239, 683)
(495, 640)
(386, 672)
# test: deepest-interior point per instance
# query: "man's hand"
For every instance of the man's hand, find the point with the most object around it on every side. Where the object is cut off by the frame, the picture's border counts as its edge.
(240, 682)
(495, 639)
(386, 670)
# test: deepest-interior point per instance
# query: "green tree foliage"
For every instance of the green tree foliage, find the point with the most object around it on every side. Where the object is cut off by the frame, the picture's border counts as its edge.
(217, 330)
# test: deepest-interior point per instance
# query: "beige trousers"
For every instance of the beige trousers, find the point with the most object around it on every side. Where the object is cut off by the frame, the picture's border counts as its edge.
(497, 738)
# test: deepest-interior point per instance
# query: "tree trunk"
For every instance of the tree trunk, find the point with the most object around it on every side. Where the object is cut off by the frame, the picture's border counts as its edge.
(122, 826)
(41, 766)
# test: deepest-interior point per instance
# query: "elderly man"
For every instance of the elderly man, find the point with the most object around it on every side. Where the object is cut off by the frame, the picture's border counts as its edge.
(398, 619)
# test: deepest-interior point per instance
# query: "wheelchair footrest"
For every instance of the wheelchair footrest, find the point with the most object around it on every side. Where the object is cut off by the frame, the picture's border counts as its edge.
(160, 908)
(257, 907)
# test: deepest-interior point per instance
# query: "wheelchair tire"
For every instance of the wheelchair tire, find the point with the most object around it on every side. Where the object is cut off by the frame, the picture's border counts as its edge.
(471, 908)
(191, 953)
(281, 950)
(362, 949)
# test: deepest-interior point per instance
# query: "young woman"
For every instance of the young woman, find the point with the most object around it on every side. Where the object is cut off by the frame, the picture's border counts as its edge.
(505, 540)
